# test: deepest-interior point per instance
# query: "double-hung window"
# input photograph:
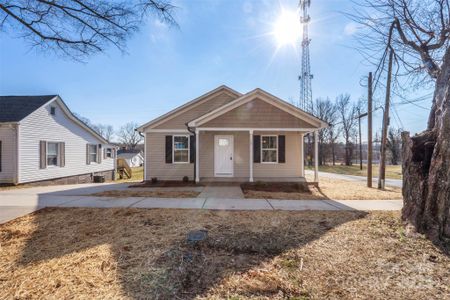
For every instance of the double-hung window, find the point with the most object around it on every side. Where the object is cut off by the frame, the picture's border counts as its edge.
(181, 149)
(92, 153)
(52, 154)
(108, 153)
(269, 149)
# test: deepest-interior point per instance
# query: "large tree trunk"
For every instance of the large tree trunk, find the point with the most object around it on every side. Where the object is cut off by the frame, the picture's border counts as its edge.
(426, 167)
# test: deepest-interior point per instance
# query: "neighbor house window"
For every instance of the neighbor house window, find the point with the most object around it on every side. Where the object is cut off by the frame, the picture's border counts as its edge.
(92, 153)
(269, 149)
(108, 153)
(180, 149)
(52, 154)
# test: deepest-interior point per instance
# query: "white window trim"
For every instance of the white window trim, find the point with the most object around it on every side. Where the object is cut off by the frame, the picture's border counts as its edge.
(96, 154)
(276, 149)
(57, 155)
(188, 149)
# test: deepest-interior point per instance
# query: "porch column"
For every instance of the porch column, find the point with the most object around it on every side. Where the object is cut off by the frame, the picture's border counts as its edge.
(250, 163)
(302, 154)
(197, 159)
(316, 156)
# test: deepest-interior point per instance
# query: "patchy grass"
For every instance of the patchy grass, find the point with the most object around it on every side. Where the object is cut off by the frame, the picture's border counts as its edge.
(137, 175)
(158, 194)
(138, 253)
(392, 172)
(328, 189)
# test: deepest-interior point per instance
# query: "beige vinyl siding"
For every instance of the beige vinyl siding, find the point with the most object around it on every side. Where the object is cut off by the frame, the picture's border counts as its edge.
(257, 114)
(156, 165)
(291, 168)
(241, 153)
(41, 126)
(8, 137)
(209, 104)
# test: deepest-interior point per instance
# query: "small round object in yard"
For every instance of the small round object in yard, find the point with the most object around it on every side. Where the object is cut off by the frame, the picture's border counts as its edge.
(196, 236)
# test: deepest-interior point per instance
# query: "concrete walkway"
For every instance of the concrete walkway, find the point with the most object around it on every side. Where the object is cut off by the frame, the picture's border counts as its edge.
(389, 182)
(18, 202)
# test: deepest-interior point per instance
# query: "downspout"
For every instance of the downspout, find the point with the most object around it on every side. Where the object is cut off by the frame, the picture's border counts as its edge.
(191, 130)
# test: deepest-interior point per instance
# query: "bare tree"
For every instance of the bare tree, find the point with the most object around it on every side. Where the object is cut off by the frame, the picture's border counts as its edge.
(326, 111)
(420, 43)
(348, 119)
(79, 28)
(394, 141)
(107, 131)
(129, 136)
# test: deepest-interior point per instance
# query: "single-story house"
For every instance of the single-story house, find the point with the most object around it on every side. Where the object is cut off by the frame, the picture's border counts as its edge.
(42, 141)
(134, 158)
(224, 135)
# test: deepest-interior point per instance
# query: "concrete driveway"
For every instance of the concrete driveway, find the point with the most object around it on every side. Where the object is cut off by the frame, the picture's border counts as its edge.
(389, 182)
(18, 202)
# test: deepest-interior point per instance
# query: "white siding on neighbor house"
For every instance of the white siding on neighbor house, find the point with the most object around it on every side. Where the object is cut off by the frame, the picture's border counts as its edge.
(8, 135)
(42, 126)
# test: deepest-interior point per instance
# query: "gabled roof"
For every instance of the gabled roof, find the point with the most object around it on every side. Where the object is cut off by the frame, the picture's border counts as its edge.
(179, 110)
(262, 95)
(16, 108)
(129, 155)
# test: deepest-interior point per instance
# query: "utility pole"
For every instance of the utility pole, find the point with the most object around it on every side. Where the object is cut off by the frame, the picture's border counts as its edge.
(381, 174)
(369, 131)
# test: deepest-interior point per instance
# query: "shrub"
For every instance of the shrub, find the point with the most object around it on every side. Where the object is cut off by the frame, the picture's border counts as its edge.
(154, 179)
(185, 179)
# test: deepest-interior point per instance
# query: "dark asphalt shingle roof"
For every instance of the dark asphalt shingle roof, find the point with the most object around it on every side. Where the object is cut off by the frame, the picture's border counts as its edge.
(15, 108)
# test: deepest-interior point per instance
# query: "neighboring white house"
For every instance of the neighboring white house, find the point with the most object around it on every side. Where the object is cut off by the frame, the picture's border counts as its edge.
(41, 140)
(134, 158)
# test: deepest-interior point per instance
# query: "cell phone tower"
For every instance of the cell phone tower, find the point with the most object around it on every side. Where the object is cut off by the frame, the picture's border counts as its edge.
(305, 101)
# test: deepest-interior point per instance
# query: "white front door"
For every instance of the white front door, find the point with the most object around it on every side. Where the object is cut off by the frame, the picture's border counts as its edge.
(223, 155)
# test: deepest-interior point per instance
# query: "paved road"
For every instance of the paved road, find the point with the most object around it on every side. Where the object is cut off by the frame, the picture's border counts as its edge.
(389, 182)
(18, 202)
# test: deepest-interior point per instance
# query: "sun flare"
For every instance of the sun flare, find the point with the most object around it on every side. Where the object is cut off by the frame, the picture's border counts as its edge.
(287, 29)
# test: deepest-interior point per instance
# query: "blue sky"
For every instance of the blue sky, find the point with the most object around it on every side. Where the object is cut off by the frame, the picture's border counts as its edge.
(217, 42)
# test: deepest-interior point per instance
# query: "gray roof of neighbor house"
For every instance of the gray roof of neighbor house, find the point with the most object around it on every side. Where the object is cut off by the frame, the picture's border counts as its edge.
(16, 108)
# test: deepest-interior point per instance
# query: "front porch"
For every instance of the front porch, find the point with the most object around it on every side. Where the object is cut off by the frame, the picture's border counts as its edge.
(251, 154)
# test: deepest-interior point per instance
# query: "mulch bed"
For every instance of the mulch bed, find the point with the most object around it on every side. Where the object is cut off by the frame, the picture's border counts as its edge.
(168, 183)
(286, 187)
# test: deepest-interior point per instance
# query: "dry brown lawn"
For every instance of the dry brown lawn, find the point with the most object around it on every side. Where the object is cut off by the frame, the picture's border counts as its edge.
(328, 189)
(141, 253)
(157, 194)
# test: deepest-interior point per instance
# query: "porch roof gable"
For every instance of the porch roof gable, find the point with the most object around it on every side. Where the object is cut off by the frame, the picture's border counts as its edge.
(259, 94)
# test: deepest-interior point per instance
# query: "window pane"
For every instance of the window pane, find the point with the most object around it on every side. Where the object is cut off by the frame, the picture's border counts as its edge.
(52, 154)
(269, 155)
(180, 156)
(223, 142)
(92, 148)
(92, 153)
(180, 142)
(269, 142)
(52, 148)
